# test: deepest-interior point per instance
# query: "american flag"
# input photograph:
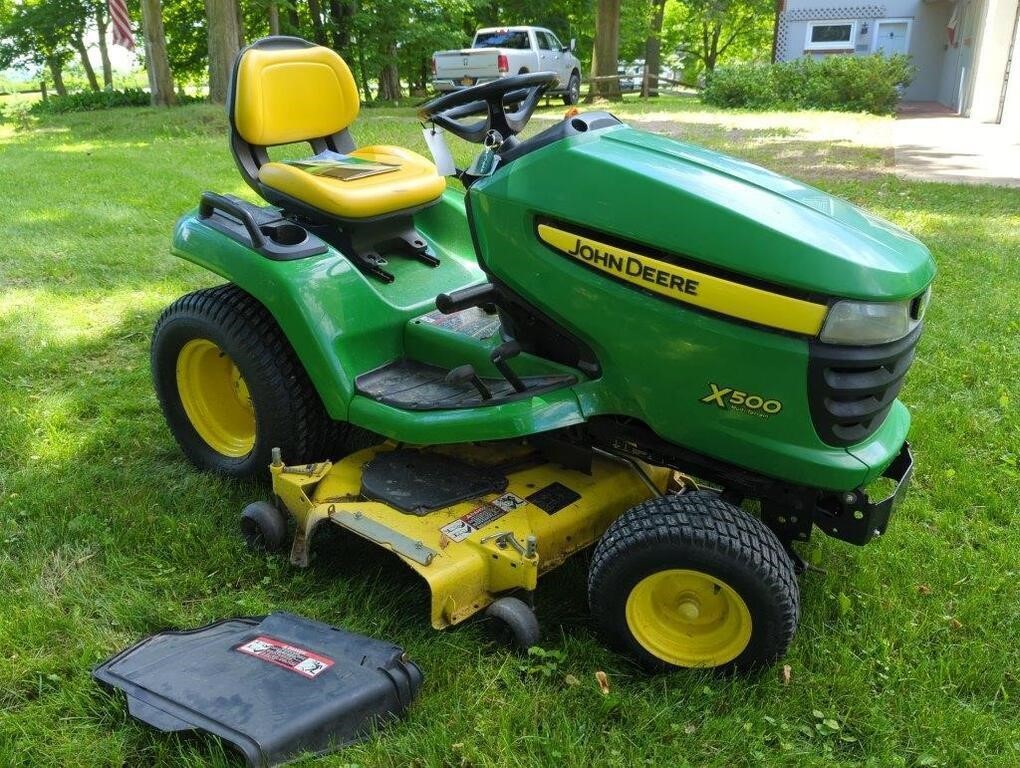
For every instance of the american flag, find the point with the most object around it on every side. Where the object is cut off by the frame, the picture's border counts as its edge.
(122, 34)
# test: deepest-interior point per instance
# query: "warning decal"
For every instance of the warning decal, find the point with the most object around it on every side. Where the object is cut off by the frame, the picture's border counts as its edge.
(282, 654)
(472, 322)
(464, 526)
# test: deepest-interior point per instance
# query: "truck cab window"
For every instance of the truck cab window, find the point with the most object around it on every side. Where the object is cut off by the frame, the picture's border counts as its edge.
(503, 39)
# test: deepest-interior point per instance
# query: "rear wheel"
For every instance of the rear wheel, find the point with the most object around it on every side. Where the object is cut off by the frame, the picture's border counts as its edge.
(573, 94)
(693, 581)
(231, 388)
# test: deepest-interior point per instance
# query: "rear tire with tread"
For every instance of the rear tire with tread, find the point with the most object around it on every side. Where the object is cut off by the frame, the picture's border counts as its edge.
(699, 533)
(288, 411)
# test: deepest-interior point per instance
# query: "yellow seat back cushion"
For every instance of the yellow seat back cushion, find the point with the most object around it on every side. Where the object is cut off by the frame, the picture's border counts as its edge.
(293, 94)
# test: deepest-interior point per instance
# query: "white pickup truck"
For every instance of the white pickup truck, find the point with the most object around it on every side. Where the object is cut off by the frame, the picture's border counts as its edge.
(501, 51)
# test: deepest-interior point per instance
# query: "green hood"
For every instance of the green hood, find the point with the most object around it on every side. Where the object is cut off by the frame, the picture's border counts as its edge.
(722, 211)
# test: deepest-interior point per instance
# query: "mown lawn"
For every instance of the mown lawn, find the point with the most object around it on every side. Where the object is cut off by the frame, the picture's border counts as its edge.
(907, 654)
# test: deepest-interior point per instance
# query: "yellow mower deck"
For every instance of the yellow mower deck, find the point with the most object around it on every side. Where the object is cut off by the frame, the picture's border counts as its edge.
(472, 551)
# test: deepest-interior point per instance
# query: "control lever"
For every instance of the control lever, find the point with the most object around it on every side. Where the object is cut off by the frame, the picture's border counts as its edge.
(473, 296)
(465, 374)
(499, 358)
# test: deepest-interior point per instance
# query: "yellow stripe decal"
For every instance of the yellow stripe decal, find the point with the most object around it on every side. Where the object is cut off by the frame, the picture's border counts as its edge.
(695, 288)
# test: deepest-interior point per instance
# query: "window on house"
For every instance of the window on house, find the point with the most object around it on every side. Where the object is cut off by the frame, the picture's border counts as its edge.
(830, 35)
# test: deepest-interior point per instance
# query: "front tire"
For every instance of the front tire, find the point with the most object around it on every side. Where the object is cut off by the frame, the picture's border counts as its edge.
(692, 581)
(573, 94)
(232, 389)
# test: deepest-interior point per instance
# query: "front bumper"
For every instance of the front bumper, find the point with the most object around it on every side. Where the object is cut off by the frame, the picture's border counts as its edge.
(856, 518)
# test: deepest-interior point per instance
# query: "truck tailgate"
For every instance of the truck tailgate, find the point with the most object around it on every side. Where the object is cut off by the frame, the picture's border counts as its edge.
(456, 65)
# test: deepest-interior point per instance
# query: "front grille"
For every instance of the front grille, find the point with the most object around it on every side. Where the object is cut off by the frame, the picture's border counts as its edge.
(851, 389)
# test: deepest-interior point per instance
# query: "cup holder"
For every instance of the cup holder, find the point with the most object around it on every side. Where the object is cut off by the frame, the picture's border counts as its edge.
(579, 125)
(285, 234)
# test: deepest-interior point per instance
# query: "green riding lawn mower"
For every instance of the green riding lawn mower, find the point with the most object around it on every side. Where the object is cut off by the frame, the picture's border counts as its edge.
(609, 338)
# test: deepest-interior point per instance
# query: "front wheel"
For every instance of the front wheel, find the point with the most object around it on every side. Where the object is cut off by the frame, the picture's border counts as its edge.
(573, 94)
(692, 581)
(232, 389)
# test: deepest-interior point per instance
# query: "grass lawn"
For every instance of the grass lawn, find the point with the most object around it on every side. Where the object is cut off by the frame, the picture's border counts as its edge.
(907, 654)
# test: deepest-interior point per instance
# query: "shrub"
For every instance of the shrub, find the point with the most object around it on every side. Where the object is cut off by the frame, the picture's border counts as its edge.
(845, 83)
(89, 101)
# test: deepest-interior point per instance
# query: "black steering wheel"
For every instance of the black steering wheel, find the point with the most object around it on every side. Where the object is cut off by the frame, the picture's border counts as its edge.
(521, 92)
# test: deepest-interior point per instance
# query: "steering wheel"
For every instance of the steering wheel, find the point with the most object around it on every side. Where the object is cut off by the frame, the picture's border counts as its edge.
(519, 91)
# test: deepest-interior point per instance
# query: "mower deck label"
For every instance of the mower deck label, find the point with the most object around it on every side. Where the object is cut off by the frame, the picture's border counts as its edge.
(689, 286)
(290, 657)
(478, 518)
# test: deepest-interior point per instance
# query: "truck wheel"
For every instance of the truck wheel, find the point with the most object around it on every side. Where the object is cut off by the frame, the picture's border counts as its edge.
(692, 581)
(231, 388)
(573, 94)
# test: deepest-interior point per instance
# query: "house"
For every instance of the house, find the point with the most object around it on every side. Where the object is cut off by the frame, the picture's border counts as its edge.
(963, 49)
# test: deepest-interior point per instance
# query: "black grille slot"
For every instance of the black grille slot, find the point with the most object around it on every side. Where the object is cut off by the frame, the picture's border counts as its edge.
(850, 389)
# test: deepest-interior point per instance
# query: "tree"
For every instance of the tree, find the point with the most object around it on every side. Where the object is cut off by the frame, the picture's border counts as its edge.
(224, 44)
(40, 33)
(606, 51)
(78, 42)
(706, 30)
(102, 19)
(650, 82)
(187, 40)
(161, 83)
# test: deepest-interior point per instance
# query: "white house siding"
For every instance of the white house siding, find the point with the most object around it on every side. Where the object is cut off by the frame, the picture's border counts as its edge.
(926, 36)
(994, 96)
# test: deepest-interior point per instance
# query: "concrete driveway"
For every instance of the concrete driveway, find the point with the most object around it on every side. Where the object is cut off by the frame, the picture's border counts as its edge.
(934, 144)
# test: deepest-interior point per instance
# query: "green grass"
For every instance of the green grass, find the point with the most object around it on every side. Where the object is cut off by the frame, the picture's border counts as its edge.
(909, 645)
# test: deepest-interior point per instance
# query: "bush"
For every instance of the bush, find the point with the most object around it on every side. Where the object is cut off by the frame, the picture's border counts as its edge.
(844, 83)
(89, 101)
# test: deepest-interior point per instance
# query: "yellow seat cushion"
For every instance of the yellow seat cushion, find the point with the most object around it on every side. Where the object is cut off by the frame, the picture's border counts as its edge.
(415, 183)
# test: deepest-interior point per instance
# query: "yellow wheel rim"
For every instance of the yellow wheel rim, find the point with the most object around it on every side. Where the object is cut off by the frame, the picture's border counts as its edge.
(688, 618)
(215, 398)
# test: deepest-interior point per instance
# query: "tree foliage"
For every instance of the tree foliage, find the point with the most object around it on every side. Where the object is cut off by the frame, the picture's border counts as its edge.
(389, 43)
(704, 31)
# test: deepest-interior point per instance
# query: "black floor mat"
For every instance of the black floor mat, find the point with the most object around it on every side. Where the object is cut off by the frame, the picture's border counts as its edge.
(419, 482)
(418, 386)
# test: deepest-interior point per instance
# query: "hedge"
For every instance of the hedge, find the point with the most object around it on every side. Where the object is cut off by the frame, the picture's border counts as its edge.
(843, 83)
(89, 101)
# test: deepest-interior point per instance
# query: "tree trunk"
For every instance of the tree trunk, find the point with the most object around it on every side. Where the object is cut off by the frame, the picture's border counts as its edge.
(86, 64)
(389, 78)
(224, 44)
(341, 16)
(161, 81)
(712, 49)
(57, 73)
(363, 73)
(274, 19)
(319, 31)
(605, 54)
(653, 45)
(102, 24)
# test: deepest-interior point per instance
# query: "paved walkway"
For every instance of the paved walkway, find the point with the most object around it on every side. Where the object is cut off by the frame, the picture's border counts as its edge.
(933, 144)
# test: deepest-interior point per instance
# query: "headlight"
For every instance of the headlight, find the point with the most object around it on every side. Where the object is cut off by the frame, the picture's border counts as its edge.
(867, 322)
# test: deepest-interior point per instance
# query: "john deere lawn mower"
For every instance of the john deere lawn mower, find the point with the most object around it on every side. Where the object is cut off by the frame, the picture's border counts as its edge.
(610, 338)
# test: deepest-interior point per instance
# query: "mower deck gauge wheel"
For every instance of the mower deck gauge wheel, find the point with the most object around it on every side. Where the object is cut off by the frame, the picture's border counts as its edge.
(512, 616)
(264, 527)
